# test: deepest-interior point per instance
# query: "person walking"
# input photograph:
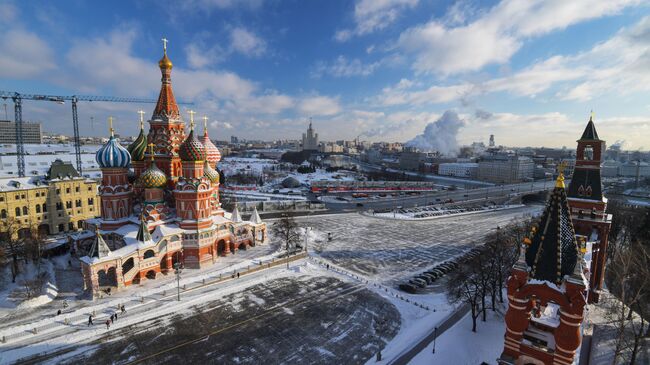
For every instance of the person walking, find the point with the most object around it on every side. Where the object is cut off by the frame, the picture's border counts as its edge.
(58, 313)
(237, 275)
(108, 323)
(123, 310)
(90, 320)
(115, 315)
(111, 319)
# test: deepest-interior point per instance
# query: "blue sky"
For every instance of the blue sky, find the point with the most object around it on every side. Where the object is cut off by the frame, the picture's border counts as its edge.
(527, 71)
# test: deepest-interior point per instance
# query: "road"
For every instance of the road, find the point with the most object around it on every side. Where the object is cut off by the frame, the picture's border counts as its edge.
(461, 195)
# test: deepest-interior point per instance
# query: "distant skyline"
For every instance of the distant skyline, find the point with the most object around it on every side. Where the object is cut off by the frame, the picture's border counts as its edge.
(528, 72)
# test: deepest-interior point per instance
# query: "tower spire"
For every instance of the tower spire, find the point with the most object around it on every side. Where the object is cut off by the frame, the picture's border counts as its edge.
(205, 125)
(141, 112)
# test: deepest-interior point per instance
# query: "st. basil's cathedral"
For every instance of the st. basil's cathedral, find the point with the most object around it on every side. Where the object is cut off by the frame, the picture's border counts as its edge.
(160, 203)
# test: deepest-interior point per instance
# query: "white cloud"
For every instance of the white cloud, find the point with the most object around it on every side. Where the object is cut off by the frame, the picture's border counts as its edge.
(403, 93)
(494, 37)
(342, 67)
(246, 42)
(319, 106)
(199, 55)
(374, 15)
(221, 125)
(24, 55)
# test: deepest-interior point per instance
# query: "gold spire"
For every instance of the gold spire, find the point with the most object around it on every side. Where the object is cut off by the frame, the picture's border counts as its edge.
(151, 145)
(559, 183)
(191, 112)
(141, 112)
(591, 116)
(110, 126)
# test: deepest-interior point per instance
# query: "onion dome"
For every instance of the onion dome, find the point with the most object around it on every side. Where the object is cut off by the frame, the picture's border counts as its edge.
(210, 173)
(165, 62)
(112, 154)
(139, 146)
(192, 149)
(213, 156)
(153, 177)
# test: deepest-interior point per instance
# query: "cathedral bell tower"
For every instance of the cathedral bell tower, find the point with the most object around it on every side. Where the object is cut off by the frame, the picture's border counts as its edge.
(166, 130)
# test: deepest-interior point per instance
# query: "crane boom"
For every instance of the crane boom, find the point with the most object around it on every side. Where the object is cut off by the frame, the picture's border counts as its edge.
(19, 97)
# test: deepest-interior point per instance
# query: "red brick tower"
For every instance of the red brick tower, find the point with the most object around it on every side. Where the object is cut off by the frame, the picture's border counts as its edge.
(589, 205)
(546, 291)
(115, 191)
(166, 130)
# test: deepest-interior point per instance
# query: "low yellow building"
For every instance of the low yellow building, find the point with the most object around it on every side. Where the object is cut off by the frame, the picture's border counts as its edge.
(56, 203)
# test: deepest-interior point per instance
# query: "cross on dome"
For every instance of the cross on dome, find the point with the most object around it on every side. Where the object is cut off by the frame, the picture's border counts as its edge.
(205, 123)
(110, 125)
(192, 112)
(151, 146)
(141, 112)
(164, 40)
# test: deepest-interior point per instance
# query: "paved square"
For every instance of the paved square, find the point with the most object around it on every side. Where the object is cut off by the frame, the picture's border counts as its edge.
(390, 250)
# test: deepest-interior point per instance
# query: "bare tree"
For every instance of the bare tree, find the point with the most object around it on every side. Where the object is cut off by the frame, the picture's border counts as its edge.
(11, 244)
(286, 230)
(464, 286)
(628, 279)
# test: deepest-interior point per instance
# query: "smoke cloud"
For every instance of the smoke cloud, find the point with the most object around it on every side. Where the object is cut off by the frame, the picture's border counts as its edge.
(440, 136)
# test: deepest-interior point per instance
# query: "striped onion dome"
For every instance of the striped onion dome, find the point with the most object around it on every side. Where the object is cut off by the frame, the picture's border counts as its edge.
(152, 178)
(138, 147)
(192, 149)
(113, 155)
(213, 154)
(210, 173)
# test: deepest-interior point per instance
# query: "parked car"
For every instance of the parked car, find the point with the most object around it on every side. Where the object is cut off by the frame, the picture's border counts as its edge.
(409, 288)
(418, 282)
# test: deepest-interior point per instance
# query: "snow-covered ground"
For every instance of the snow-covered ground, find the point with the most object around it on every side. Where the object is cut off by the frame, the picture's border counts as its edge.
(460, 346)
(388, 251)
(13, 295)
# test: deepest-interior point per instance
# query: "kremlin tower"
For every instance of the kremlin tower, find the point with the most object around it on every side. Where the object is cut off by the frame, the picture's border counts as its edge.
(171, 214)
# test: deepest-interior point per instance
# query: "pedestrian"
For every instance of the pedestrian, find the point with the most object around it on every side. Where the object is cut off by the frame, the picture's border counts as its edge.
(70, 263)
(328, 266)
(108, 324)
(58, 313)
(123, 310)
(237, 275)
(111, 318)
(115, 315)
(90, 320)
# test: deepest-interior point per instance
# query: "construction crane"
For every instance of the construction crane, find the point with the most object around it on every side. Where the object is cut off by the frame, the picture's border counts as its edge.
(18, 101)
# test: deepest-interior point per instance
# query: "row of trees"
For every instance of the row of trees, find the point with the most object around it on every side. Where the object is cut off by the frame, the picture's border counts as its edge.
(479, 281)
(17, 244)
(628, 279)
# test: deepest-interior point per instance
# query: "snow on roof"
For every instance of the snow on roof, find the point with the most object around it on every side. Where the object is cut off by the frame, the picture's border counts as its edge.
(549, 316)
(165, 230)
(22, 183)
(217, 219)
(235, 216)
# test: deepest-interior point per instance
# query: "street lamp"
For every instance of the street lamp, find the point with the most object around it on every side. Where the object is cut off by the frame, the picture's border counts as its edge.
(435, 334)
(178, 268)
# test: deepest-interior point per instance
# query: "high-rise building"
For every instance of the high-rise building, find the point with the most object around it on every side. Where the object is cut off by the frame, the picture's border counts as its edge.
(55, 203)
(31, 132)
(505, 169)
(310, 139)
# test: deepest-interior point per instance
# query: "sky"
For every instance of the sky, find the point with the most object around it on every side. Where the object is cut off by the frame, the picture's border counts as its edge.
(529, 72)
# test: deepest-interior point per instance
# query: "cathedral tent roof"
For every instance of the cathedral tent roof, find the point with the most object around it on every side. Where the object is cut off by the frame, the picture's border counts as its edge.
(143, 231)
(255, 217)
(99, 248)
(235, 216)
(553, 249)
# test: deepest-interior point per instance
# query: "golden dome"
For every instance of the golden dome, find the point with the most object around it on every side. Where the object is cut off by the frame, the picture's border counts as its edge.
(165, 62)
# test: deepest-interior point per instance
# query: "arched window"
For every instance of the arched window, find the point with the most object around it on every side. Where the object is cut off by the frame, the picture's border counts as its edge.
(17, 211)
(149, 254)
(38, 208)
(4, 214)
(44, 208)
(589, 153)
(25, 211)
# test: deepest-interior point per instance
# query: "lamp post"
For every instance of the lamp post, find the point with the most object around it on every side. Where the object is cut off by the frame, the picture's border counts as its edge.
(435, 334)
(177, 271)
